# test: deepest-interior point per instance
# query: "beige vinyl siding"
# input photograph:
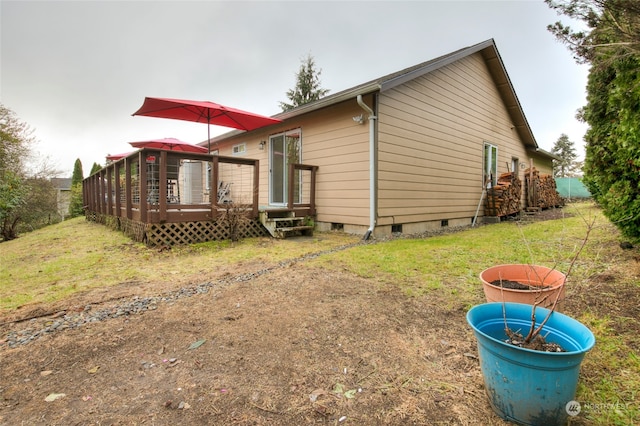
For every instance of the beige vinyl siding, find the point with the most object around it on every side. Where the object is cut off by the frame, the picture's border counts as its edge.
(430, 135)
(542, 163)
(339, 147)
(430, 143)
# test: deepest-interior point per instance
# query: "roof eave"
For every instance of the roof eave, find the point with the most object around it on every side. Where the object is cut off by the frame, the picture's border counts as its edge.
(342, 96)
(545, 153)
(396, 80)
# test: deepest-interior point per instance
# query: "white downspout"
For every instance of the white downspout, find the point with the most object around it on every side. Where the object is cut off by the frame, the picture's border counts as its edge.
(372, 167)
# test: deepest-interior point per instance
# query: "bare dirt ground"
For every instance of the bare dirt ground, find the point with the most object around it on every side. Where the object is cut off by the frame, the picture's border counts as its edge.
(297, 345)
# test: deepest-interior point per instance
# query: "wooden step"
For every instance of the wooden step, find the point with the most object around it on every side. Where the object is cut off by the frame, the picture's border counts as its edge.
(293, 230)
(283, 227)
(286, 219)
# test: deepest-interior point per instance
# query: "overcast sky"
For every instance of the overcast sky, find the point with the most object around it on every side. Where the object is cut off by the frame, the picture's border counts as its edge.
(75, 71)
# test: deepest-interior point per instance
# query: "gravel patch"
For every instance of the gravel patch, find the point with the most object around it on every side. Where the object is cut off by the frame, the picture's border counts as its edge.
(34, 328)
(48, 324)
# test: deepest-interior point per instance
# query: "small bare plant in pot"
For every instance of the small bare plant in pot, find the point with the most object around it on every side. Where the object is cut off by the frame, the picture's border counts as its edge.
(533, 339)
(531, 366)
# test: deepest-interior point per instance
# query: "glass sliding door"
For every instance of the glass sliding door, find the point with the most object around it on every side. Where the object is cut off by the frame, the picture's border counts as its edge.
(284, 149)
(277, 172)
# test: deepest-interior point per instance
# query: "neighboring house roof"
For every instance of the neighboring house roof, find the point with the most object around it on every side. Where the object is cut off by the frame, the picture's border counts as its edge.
(61, 184)
(549, 154)
(494, 63)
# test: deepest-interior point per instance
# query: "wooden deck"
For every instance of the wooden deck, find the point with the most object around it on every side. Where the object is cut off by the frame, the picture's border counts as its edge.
(186, 193)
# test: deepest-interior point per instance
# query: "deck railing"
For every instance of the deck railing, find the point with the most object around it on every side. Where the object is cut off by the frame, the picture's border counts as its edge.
(157, 186)
(302, 189)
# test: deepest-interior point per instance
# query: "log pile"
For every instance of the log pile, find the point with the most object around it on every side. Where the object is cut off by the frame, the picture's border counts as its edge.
(503, 199)
(541, 190)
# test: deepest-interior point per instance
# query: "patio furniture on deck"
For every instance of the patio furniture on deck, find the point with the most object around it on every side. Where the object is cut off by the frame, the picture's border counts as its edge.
(224, 192)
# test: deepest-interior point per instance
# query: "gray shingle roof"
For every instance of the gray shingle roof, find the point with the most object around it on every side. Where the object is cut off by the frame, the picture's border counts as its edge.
(492, 58)
(63, 184)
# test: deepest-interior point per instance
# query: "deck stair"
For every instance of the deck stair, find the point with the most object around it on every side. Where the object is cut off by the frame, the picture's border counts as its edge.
(284, 223)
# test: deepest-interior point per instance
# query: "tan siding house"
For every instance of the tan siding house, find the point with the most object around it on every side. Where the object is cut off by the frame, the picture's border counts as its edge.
(406, 152)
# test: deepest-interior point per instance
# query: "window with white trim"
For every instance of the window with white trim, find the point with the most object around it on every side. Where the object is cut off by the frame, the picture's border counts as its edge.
(239, 149)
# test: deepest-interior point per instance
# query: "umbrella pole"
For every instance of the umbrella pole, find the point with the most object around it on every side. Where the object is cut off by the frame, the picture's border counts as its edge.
(209, 129)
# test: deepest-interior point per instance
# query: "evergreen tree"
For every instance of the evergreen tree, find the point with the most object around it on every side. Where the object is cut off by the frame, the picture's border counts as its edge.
(611, 45)
(564, 148)
(95, 168)
(76, 203)
(77, 175)
(308, 88)
(613, 28)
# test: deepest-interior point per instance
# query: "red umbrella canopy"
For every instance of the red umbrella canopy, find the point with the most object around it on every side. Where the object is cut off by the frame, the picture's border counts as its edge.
(203, 112)
(170, 144)
(116, 157)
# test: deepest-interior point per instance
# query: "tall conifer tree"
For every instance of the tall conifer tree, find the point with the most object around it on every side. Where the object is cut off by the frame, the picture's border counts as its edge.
(308, 87)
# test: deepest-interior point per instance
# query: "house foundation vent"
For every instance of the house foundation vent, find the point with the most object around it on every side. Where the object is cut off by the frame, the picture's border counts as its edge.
(337, 227)
(444, 222)
(396, 229)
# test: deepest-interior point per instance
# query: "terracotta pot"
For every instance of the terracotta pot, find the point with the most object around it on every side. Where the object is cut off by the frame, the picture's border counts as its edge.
(532, 275)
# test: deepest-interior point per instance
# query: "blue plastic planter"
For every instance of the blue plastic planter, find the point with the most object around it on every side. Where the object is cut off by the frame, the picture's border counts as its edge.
(526, 386)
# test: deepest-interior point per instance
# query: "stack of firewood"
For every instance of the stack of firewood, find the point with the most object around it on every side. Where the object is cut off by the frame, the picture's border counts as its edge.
(503, 199)
(541, 190)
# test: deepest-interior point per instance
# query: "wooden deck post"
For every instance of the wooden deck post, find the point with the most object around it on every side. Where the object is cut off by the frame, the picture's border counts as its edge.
(162, 187)
(312, 201)
(110, 190)
(213, 191)
(94, 197)
(256, 188)
(142, 182)
(128, 190)
(103, 191)
(291, 186)
(118, 188)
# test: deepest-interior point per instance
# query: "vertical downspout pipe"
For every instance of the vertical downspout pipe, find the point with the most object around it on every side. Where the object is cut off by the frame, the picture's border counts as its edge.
(372, 167)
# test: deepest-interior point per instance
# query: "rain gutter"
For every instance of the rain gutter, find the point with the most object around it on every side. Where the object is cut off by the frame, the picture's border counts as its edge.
(372, 167)
(345, 95)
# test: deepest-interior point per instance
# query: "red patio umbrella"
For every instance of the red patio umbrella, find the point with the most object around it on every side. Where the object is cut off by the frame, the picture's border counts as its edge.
(170, 144)
(203, 112)
(116, 157)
